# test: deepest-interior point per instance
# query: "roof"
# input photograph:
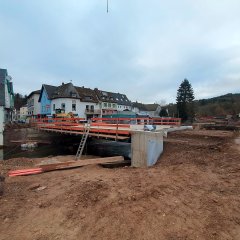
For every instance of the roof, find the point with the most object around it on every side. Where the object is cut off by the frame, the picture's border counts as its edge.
(140, 106)
(151, 107)
(49, 89)
(119, 98)
(5, 79)
(34, 92)
(146, 107)
(84, 94)
(87, 94)
(3, 73)
(65, 91)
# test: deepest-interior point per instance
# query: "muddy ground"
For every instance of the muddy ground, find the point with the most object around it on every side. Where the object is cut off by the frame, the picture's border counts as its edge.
(192, 193)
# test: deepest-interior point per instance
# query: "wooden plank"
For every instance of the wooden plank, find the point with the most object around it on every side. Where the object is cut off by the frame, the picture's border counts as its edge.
(23, 172)
(108, 136)
(65, 165)
(79, 163)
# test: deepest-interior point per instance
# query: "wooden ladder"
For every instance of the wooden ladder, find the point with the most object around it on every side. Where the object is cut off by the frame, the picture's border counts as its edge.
(83, 141)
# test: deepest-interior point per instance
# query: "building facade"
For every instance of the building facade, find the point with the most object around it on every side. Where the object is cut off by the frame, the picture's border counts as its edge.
(89, 103)
(23, 113)
(33, 105)
(45, 99)
(6, 95)
(80, 101)
(6, 101)
(112, 103)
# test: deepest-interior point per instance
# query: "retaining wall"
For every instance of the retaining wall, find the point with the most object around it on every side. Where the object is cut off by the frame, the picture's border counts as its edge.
(146, 148)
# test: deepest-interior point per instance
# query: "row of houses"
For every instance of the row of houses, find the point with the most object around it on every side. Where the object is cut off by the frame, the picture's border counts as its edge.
(83, 102)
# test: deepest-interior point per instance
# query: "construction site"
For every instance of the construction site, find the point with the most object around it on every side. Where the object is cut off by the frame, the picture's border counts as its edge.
(179, 182)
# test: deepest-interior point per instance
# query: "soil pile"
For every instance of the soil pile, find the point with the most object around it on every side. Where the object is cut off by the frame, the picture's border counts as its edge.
(191, 193)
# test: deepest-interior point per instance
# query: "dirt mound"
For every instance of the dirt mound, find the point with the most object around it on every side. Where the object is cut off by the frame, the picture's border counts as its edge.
(191, 193)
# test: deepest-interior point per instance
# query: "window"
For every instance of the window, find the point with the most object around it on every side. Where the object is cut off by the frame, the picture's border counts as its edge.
(92, 107)
(54, 107)
(109, 105)
(87, 107)
(74, 107)
(114, 105)
(88, 98)
(63, 106)
(105, 104)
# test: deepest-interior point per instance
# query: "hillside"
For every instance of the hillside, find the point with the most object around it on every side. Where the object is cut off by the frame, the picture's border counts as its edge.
(216, 106)
(221, 105)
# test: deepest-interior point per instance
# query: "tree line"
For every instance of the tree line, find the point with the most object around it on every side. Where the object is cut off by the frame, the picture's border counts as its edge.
(187, 108)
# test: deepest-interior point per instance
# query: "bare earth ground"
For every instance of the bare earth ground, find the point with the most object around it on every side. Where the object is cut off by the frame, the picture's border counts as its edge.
(192, 193)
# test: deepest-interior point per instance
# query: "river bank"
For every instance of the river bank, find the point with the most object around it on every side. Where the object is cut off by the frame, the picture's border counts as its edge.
(53, 144)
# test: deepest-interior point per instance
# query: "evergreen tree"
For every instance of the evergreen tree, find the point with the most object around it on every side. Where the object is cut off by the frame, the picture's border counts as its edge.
(163, 112)
(19, 100)
(185, 97)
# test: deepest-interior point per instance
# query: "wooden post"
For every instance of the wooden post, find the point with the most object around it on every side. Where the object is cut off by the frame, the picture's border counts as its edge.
(117, 129)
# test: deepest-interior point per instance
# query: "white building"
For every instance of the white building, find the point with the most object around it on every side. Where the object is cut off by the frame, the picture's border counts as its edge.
(33, 106)
(23, 113)
(80, 101)
(150, 110)
(112, 103)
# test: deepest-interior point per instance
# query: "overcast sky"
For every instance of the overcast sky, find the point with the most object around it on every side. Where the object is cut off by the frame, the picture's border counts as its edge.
(143, 48)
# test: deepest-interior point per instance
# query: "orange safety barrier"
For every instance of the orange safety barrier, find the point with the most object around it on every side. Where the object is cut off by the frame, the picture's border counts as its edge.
(110, 125)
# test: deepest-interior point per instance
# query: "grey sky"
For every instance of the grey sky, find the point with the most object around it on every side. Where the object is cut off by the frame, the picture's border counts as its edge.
(143, 48)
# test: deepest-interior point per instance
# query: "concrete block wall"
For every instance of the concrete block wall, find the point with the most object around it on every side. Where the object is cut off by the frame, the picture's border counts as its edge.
(146, 148)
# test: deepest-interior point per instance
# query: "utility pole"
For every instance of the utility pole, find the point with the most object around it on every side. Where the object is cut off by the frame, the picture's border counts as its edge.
(107, 6)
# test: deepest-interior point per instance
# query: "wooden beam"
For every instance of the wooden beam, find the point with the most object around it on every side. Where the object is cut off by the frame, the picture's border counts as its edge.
(64, 165)
(79, 163)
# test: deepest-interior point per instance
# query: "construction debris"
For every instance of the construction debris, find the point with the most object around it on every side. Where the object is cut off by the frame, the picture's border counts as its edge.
(63, 165)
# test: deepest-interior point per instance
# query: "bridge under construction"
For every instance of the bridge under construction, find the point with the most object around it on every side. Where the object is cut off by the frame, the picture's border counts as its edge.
(112, 128)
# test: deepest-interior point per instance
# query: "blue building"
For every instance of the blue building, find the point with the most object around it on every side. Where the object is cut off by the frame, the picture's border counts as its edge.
(45, 99)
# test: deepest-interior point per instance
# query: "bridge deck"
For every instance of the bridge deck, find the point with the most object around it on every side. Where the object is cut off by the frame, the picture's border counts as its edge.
(114, 128)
